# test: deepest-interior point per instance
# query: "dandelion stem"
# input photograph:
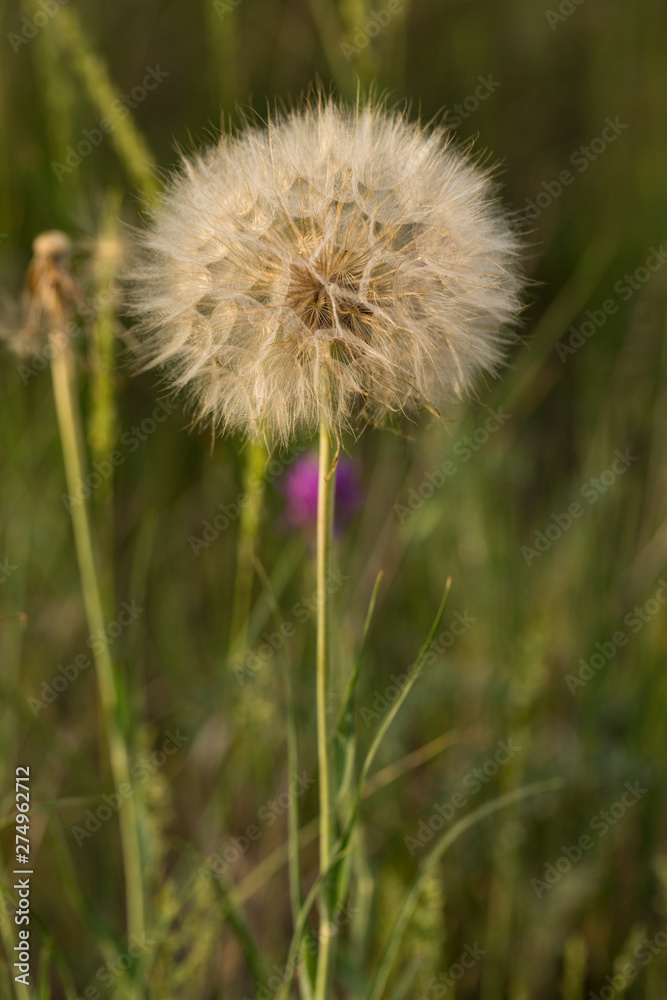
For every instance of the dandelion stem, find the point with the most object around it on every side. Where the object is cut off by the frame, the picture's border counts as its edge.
(325, 511)
(69, 424)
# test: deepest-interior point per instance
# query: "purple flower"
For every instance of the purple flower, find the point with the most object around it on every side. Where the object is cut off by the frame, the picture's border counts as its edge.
(299, 488)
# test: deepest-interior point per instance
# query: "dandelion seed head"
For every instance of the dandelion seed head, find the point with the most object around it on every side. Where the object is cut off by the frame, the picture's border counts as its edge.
(336, 264)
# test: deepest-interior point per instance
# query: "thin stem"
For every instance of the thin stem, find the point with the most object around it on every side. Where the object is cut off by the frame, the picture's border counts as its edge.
(248, 531)
(70, 39)
(325, 512)
(69, 424)
(102, 429)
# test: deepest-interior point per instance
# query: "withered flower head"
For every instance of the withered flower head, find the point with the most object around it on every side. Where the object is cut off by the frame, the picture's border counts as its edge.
(49, 302)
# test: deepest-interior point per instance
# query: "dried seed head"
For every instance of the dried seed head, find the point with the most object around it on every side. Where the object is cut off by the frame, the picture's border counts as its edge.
(52, 244)
(49, 283)
(50, 299)
(338, 264)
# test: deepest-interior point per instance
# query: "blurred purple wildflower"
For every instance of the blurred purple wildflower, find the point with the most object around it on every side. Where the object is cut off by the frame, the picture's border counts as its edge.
(299, 489)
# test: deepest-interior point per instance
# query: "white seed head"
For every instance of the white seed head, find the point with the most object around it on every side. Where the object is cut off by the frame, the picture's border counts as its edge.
(337, 264)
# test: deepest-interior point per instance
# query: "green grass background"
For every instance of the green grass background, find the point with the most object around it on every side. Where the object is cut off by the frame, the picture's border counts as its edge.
(505, 677)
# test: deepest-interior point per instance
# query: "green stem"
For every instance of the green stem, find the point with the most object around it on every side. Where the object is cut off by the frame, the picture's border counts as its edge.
(253, 486)
(69, 424)
(78, 55)
(325, 512)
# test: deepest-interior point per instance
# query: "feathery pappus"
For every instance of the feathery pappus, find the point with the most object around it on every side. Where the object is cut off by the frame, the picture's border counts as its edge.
(336, 264)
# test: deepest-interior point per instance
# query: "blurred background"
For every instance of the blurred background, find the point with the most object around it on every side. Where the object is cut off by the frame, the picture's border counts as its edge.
(554, 638)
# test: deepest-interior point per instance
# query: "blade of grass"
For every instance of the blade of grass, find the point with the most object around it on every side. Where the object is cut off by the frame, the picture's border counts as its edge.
(272, 864)
(405, 690)
(402, 919)
(407, 980)
(345, 748)
(258, 968)
(305, 983)
(354, 677)
(344, 736)
(391, 715)
(69, 36)
(330, 31)
(408, 763)
(44, 965)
